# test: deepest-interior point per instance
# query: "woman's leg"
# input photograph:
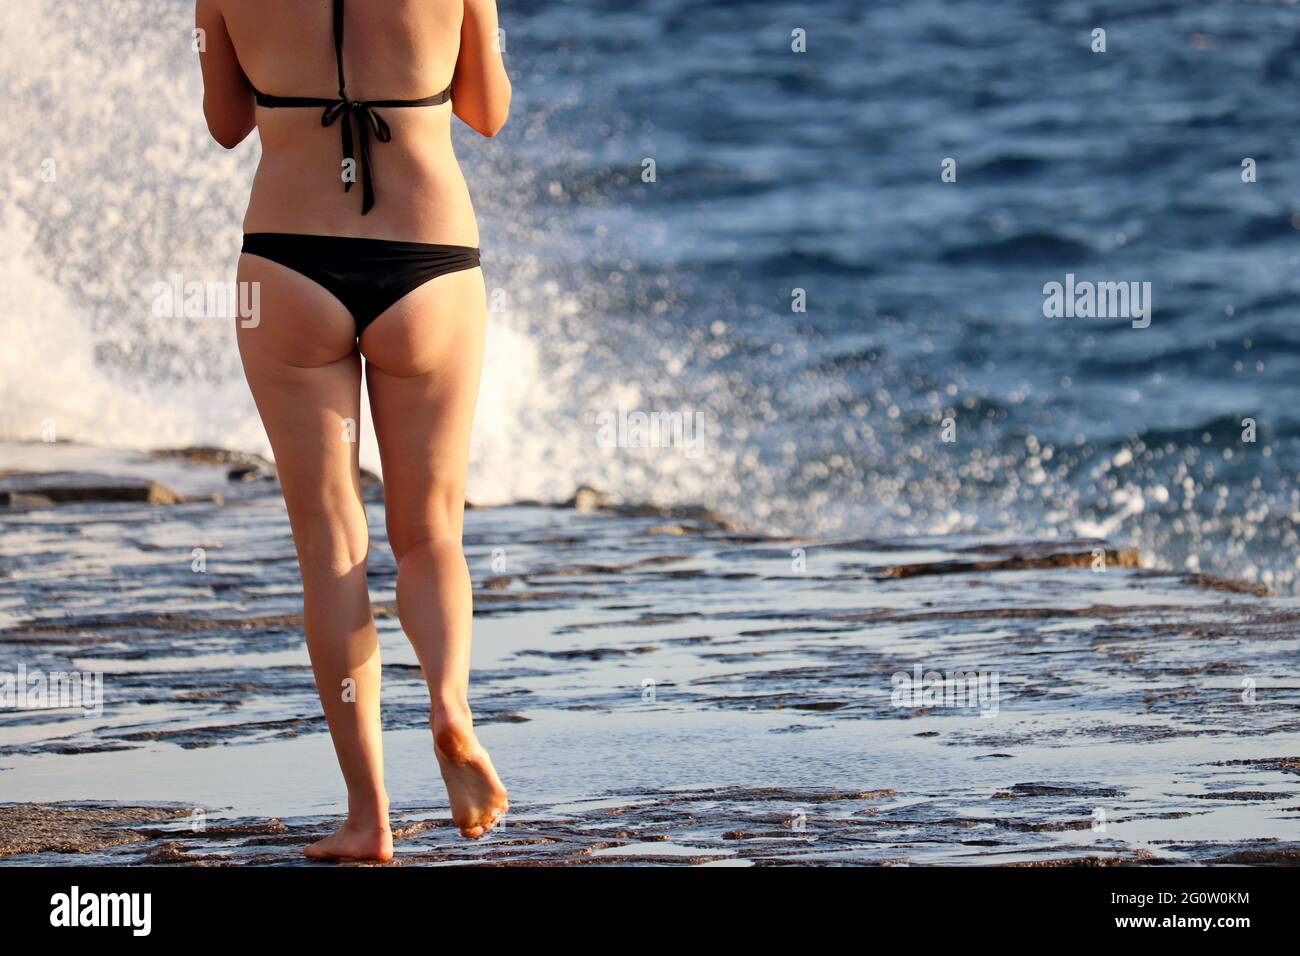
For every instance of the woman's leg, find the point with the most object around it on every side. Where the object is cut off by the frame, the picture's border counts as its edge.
(305, 374)
(423, 359)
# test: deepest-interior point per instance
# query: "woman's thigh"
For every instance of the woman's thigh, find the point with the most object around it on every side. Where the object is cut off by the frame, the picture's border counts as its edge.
(424, 357)
(302, 365)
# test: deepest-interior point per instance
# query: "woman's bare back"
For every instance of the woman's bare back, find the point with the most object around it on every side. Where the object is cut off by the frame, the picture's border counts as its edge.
(395, 50)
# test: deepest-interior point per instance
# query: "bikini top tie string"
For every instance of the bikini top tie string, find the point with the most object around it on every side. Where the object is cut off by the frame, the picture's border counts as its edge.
(368, 121)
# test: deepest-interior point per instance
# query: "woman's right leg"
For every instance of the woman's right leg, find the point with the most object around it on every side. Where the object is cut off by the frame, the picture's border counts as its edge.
(423, 359)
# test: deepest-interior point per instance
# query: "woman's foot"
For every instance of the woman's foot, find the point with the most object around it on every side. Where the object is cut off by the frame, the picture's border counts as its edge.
(478, 799)
(355, 842)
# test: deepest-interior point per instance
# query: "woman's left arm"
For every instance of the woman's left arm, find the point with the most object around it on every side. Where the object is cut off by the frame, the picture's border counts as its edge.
(480, 89)
(227, 95)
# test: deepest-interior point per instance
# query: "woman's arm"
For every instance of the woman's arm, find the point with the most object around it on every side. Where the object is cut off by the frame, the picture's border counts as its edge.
(227, 94)
(480, 89)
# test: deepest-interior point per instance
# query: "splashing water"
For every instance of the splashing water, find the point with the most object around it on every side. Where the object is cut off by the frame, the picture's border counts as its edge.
(774, 172)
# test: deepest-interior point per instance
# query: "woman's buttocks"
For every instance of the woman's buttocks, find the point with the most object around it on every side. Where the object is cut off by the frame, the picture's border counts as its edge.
(420, 193)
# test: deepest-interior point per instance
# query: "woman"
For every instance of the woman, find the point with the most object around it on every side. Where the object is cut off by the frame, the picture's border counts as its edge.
(388, 273)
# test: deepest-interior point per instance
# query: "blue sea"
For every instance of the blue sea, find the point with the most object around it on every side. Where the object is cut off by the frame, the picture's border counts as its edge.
(686, 215)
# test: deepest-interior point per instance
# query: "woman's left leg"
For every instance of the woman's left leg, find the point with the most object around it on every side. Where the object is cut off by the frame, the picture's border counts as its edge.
(305, 374)
(423, 359)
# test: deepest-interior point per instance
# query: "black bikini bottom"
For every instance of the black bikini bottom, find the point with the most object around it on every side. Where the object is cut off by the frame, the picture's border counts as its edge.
(366, 275)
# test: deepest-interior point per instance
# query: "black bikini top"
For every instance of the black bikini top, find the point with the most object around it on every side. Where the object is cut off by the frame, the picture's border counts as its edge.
(368, 120)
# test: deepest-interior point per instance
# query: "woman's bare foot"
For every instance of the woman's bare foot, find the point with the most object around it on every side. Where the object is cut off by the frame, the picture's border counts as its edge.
(478, 798)
(354, 842)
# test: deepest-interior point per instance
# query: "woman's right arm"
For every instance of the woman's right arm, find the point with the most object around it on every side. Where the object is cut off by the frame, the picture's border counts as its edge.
(480, 89)
(227, 95)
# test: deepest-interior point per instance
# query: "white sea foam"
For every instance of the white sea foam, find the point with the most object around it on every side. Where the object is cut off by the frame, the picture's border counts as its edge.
(107, 96)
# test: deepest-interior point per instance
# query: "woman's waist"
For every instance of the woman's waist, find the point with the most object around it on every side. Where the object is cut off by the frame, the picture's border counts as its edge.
(420, 197)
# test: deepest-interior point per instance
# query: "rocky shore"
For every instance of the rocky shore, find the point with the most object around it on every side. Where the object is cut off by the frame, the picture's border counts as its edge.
(656, 685)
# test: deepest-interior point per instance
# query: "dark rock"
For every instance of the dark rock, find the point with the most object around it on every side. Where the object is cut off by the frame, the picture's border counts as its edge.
(696, 513)
(1225, 584)
(244, 466)
(1115, 558)
(207, 455)
(42, 827)
(64, 487)
(588, 499)
(248, 473)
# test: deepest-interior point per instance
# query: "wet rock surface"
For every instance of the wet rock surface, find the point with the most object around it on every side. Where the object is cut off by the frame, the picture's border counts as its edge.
(43, 829)
(57, 488)
(689, 696)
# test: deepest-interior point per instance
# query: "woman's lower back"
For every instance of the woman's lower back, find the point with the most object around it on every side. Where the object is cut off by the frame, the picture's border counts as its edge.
(420, 193)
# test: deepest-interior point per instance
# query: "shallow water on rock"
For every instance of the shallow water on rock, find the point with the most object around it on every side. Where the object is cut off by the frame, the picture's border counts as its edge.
(652, 689)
